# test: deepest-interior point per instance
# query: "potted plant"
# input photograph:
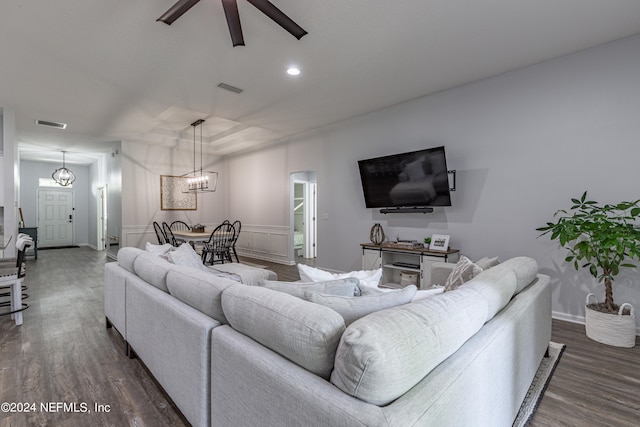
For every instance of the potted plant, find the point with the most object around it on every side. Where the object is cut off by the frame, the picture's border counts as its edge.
(601, 239)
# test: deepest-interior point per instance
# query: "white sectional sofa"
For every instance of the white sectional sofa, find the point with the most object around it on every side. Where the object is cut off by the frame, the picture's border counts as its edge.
(235, 355)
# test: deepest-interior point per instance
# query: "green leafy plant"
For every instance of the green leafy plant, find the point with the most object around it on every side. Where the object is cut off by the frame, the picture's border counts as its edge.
(601, 237)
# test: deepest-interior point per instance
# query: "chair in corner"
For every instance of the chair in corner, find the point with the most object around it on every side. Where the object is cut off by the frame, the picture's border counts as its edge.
(162, 238)
(218, 248)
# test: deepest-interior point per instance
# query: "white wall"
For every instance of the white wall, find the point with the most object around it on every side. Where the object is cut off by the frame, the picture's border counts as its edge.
(523, 144)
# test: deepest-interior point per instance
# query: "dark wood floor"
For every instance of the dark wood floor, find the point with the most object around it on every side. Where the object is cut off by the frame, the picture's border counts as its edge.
(64, 354)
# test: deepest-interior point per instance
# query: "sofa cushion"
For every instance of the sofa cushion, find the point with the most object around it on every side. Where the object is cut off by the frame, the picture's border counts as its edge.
(496, 287)
(351, 308)
(200, 290)
(345, 287)
(303, 332)
(367, 277)
(153, 270)
(383, 355)
(127, 256)
(525, 268)
(184, 255)
(464, 270)
(486, 262)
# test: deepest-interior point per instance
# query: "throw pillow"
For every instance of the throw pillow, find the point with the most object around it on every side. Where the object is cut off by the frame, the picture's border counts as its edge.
(353, 308)
(158, 249)
(486, 263)
(186, 256)
(464, 270)
(366, 277)
(345, 287)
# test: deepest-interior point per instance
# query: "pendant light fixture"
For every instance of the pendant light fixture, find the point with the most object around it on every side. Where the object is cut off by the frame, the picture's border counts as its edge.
(63, 176)
(199, 180)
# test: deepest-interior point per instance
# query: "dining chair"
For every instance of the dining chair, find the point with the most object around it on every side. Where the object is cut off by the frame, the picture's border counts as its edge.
(218, 248)
(162, 238)
(180, 226)
(237, 225)
(169, 235)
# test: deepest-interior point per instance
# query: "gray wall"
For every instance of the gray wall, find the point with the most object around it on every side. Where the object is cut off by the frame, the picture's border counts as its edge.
(523, 144)
(31, 172)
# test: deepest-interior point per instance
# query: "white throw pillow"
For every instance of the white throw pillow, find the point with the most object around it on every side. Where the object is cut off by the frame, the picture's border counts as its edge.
(353, 308)
(345, 287)
(158, 249)
(369, 278)
(186, 256)
(464, 271)
(426, 293)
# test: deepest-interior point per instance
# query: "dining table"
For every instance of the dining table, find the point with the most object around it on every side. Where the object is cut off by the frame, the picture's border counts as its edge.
(192, 236)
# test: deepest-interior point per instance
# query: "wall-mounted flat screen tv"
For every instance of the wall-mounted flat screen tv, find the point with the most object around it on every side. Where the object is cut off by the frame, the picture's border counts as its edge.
(417, 178)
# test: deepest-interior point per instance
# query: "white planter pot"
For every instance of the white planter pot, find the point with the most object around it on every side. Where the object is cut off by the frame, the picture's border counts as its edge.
(611, 329)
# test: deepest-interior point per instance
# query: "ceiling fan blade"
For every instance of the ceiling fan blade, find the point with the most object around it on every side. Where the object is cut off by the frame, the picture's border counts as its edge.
(233, 21)
(176, 11)
(266, 7)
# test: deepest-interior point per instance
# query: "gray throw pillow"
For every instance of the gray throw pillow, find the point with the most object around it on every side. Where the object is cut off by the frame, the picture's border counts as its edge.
(346, 287)
(353, 308)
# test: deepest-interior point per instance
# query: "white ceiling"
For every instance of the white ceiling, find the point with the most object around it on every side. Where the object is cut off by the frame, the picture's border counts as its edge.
(111, 72)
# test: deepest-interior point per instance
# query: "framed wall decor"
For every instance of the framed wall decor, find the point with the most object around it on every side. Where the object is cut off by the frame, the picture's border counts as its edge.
(439, 242)
(171, 196)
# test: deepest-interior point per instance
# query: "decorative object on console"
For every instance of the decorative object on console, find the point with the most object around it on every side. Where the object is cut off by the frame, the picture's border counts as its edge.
(439, 242)
(376, 235)
(198, 180)
(604, 238)
(63, 176)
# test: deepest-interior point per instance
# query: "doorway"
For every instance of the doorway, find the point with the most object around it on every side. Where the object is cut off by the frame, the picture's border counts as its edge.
(55, 218)
(303, 214)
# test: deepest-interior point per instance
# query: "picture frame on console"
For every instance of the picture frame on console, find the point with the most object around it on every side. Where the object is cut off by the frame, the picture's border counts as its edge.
(439, 242)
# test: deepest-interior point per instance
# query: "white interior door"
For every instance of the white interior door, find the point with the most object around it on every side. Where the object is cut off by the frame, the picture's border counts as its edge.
(55, 218)
(310, 225)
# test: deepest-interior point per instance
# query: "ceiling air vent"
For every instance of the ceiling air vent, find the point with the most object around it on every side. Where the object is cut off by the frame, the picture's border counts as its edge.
(230, 88)
(51, 124)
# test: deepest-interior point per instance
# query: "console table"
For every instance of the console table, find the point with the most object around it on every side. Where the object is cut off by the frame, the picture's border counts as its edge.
(395, 259)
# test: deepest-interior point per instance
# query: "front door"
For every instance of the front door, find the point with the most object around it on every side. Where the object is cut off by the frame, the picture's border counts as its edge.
(55, 218)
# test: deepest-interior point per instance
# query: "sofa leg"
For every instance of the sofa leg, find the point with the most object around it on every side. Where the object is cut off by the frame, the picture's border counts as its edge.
(546, 353)
(108, 323)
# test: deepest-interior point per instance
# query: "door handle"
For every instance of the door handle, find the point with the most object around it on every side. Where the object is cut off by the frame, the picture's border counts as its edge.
(70, 218)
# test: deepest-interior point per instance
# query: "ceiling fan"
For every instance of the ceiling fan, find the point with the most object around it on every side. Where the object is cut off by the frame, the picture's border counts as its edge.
(233, 17)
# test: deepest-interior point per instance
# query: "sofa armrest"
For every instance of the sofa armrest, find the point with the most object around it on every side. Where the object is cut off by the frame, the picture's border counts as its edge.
(440, 271)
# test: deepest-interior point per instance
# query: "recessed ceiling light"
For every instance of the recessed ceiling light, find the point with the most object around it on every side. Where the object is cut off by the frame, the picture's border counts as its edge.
(293, 71)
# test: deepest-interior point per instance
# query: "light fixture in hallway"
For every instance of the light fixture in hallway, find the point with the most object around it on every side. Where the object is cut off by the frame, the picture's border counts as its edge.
(63, 176)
